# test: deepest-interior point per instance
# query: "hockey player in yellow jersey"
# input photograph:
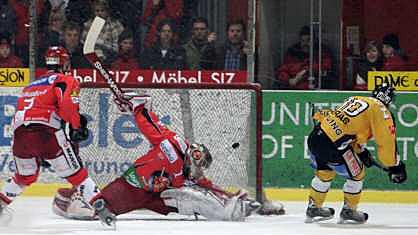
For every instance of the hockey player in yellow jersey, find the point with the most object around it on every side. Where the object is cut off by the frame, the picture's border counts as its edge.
(336, 145)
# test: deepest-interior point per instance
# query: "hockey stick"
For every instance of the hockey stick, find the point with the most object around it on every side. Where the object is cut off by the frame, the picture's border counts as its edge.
(91, 56)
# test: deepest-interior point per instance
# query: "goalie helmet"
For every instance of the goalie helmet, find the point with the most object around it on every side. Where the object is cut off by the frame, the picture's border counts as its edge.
(385, 93)
(58, 58)
(198, 158)
(199, 155)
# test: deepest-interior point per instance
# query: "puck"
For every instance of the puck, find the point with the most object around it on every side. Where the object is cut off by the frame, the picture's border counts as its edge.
(235, 145)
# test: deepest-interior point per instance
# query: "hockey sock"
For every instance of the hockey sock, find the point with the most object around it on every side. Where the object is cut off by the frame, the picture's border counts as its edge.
(352, 200)
(352, 193)
(11, 190)
(318, 191)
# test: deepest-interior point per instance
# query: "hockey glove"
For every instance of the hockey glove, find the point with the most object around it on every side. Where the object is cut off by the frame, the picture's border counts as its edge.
(397, 174)
(366, 158)
(82, 133)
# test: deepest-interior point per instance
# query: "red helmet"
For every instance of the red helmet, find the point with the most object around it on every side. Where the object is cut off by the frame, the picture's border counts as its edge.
(57, 56)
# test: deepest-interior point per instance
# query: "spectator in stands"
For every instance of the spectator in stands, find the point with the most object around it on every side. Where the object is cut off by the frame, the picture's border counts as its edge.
(232, 55)
(7, 59)
(371, 61)
(21, 7)
(166, 53)
(294, 72)
(200, 50)
(127, 58)
(54, 33)
(107, 44)
(394, 58)
(7, 18)
(155, 12)
(128, 12)
(72, 42)
(78, 11)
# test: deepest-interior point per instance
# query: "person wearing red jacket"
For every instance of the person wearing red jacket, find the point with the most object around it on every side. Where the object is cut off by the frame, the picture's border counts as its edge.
(294, 72)
(155, 12)
(393, 58)
(7, 59)
(44, 109)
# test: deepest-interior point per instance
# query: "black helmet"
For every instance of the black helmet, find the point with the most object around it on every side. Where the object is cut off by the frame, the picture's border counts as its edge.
(385, 93)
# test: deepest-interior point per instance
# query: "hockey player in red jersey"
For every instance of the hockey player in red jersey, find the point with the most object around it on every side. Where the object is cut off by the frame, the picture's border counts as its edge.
(168, 166)
(44, 108)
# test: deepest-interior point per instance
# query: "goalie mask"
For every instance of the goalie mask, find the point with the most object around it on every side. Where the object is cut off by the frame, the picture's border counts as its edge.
(199, 159)
(385, 93)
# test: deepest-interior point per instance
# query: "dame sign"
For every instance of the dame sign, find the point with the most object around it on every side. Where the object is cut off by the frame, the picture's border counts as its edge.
(402, 81)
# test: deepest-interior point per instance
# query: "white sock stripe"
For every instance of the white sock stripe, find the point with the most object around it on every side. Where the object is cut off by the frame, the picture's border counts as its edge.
(353, 187)
(320, 185)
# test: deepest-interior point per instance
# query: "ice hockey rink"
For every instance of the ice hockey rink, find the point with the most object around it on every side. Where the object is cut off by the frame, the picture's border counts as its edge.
(33, 215)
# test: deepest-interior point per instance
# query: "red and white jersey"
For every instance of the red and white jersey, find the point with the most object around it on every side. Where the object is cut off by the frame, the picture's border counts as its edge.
(48, 100)
(166, 157)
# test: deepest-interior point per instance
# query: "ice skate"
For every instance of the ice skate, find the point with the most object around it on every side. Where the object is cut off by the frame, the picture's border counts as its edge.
(349, 215)
(270, 208)
(316, 214)
(105, 216)
(251, 206)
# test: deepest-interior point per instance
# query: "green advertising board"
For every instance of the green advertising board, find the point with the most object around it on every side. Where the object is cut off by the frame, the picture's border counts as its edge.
(287, 123)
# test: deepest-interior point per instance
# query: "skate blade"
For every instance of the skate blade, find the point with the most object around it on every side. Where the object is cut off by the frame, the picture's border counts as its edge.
(343, 221)
(310, 220)
(111, 226)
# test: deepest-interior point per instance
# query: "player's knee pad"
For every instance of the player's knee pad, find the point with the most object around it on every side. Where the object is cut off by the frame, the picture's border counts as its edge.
(27, 171)
(66, 165)
(352, 187)
(320, 186)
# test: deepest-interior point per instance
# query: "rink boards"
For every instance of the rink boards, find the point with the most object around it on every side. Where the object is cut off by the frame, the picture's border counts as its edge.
(286, 123)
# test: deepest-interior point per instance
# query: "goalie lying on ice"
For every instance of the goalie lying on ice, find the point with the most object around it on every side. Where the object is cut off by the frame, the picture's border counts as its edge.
(169, 178)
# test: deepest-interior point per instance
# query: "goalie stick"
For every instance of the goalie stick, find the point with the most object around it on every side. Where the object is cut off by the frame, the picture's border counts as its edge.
(91, 56)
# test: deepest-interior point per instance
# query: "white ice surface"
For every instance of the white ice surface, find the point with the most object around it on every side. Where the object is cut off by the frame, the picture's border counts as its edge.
(34, 216)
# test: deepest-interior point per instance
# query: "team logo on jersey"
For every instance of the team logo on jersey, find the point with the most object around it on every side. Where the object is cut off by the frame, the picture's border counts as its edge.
(75, 93)
(169, 151)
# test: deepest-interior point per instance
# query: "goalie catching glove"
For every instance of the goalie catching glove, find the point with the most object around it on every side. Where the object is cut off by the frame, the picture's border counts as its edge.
(132, 102)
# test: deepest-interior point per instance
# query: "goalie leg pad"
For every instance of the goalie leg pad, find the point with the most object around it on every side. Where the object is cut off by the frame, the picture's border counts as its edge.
(69, 203)
(190, 201)
(88, 189)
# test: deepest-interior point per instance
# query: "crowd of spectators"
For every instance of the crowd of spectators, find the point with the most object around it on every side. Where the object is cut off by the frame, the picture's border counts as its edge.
(168, 34)
(385, 56)
(171, 39)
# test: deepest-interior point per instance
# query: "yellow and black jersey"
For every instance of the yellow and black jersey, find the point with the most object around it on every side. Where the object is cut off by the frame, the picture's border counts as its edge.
(359, 119)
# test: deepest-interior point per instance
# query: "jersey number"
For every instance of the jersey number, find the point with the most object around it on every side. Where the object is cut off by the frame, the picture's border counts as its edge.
(28, 103)
(354, 107)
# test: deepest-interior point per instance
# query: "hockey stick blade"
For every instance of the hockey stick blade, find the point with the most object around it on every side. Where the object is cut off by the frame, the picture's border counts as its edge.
(91, 56)
(93, 34)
